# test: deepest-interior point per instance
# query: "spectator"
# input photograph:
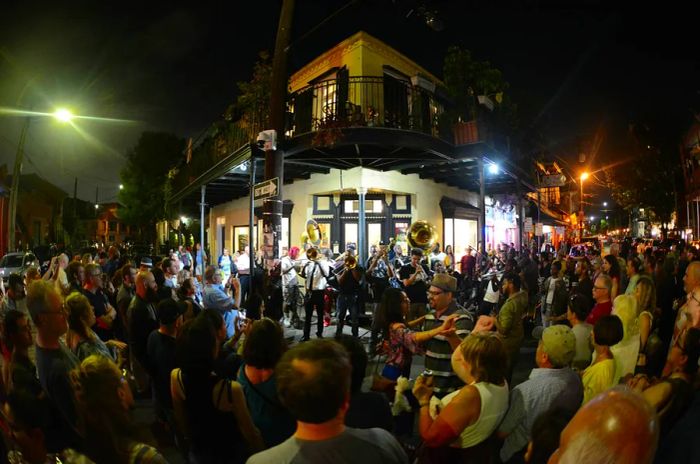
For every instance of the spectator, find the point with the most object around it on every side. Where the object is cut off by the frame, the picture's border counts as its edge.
(31, 275)
(615, 427)
(439, 349)
(400, 342)
(200, 260)
(75, 272)
(466, 418)
(551, 385)
(671, 396)
(126, 292)
(15, 296)
(186, 294)
(584, 286)
(554, 297)
(600, 375)
(141, 315)
(21, 371)
(367, 409)
(228, 361)
(210, 411)
(602, 288)
(53, 360)
(81, 339)
(509, 321)
(611, 267)
(29, 417)
(105, 314)
(492, 296)
(314, 385)
(545, 435)
(160, 350)
(689, 314)
(627, 350)
(634, 269)
(264, 346)
(576, 314)
(104, 403)
(215, 297)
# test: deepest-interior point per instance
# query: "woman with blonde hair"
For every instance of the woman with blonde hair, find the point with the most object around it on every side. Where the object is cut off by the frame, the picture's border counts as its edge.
(649, 341)
(104, 401)
(81, 339)
(465, 419)
(627, 350)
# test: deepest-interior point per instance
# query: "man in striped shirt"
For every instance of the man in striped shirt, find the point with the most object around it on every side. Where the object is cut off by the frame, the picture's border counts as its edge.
(439, 349)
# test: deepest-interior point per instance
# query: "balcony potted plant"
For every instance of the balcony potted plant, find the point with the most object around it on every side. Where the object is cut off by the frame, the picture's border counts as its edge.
(467, 79)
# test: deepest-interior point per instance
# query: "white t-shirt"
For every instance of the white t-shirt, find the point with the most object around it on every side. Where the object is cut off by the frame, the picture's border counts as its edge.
(550, 293)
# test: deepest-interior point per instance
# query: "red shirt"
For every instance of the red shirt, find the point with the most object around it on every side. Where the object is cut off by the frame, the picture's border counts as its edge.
(598, 311)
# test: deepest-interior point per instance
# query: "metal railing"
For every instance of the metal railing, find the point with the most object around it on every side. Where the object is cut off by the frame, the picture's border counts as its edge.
(364, 102)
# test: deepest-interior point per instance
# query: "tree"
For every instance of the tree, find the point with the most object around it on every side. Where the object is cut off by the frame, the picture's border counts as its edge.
(145, 180)
(649, 180)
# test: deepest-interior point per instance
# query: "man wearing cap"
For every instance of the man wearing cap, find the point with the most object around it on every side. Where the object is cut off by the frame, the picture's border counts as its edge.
(552, 384)
(161, 354)
(438, 350)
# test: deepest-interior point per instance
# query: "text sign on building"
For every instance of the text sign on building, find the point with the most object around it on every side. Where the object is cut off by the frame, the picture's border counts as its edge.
(555, 180)
(538, 229)
(528, 224)
(266, 189)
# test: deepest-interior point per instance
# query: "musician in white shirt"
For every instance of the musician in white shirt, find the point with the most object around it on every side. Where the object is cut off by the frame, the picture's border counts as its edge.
(290, 282)
(316, 273)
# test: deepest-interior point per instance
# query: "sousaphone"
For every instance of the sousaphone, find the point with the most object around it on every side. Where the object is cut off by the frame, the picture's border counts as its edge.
(422, 235)
(313, 231)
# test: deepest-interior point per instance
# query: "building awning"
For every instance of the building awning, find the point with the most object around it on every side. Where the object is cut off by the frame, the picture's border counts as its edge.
(546, 216)
(458, 209)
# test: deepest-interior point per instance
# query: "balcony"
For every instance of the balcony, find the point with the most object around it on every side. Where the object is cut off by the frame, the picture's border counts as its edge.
(382, 102)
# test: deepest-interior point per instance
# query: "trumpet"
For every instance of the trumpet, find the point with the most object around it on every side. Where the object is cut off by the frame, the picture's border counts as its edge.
(350, 262)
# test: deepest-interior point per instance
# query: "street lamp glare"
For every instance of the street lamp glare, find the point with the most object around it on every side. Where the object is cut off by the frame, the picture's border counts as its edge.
(605, 203)
(592, 218)
(97, 206)
(63, 115)
(121, 186)
(493, 169)
(584, 176)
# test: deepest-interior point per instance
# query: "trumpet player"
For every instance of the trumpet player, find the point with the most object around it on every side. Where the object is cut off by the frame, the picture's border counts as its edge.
(290, 285)
(414, 276)
(379, 271)
(350, 284)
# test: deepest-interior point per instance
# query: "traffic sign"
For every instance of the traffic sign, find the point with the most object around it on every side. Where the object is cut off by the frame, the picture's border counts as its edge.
(266, 189)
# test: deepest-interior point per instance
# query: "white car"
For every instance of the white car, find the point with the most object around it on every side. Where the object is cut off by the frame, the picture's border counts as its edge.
(17, 262)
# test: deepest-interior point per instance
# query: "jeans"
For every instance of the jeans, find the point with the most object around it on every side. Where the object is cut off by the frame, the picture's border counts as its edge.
(348, 301)
(314, 299)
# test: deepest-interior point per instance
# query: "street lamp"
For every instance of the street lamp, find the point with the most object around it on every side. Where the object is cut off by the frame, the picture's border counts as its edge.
(605, 204)
(584, 176)
(60, 114)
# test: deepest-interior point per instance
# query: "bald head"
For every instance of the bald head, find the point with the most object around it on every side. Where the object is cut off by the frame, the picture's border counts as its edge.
(691, 280)
(617, 426)
(144, 281)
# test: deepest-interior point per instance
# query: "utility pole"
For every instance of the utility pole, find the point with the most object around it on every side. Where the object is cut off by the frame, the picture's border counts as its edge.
(14, 190)
(274, 156)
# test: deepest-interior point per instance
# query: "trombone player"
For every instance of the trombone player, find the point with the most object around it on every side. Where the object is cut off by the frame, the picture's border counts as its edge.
(315, 272)
(350, 284)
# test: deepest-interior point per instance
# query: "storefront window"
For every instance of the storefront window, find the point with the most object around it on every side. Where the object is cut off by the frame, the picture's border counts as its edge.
(353, 206)
(350, 235)
(460, 233)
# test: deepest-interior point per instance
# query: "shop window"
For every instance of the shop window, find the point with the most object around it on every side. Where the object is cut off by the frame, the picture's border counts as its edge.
(402, 204)
(322, 204)
(371, 206)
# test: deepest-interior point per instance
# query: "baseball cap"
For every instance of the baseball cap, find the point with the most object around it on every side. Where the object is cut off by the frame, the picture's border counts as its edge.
(559, 342)
(169, 310)
(146, 261)
(444, 282)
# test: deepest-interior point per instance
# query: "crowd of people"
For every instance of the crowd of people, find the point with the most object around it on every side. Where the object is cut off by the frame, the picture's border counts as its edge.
(618, 345)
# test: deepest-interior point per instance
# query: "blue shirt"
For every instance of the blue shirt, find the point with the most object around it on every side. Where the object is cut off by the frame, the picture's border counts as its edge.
(216, 298)
(546, 388)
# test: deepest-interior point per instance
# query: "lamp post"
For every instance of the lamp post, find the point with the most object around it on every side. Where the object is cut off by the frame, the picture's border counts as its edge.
(62, 115)
(581, 216)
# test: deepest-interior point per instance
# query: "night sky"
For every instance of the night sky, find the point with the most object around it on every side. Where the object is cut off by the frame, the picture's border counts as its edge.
(577, 73)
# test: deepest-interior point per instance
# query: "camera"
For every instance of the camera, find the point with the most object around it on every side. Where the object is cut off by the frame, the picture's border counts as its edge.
(267, 140)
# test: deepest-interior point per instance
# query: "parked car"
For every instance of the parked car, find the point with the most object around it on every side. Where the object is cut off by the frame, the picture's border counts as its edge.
(17, 262)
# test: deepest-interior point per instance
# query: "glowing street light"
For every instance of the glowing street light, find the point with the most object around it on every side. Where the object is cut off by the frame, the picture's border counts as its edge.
(584, 176)
(592, 218)
(493, 169)
(605, 203)
(97, 206)
(121, 186)
(63, 115)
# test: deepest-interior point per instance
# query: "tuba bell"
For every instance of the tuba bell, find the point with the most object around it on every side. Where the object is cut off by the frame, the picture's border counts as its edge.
(312, 254)
(313, 231)
(421, 235)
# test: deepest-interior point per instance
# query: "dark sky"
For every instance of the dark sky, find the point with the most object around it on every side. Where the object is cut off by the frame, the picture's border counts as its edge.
(576, 73)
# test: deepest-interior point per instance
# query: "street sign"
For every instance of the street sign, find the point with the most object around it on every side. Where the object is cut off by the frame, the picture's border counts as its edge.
(554, 180)
(538, 229)
(266, 189)
(528, 224)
